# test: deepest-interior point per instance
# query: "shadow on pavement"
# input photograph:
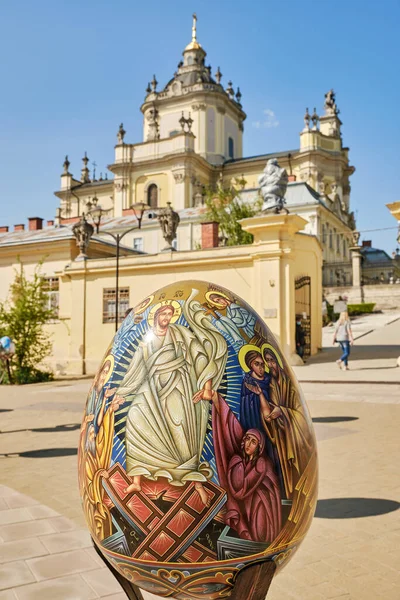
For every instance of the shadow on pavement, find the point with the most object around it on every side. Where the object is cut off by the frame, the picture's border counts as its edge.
(44, 453)
(333, 419)
(354, 508)
(358, 352)
(56, 429)
(6, 410)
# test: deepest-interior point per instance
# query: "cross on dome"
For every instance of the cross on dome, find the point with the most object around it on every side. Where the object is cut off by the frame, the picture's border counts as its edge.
(194, 44)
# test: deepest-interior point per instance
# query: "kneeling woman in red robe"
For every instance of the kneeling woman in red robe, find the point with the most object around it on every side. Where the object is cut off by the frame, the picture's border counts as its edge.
(246, 473)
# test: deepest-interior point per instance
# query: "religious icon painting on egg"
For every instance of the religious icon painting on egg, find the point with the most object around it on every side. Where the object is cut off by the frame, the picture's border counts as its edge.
(197, 453)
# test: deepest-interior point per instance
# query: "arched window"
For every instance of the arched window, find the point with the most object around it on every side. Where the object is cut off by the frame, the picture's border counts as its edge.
(152, 195)
(231, 147)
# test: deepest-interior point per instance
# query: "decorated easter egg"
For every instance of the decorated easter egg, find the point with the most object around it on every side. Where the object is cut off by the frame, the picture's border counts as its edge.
(197, 454)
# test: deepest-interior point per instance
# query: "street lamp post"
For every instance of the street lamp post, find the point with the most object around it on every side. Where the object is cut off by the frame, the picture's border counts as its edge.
(96, 214)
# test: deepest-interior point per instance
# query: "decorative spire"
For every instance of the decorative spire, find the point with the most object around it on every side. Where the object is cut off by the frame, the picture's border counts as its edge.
(315, 119)
(94, 165)
(189, 122)
(194, 29)
(238, 96)
(121, 134)
(85, 178)
(148, 89)
(154, 84)
(218, 76)
(307, 119)
(66, 165)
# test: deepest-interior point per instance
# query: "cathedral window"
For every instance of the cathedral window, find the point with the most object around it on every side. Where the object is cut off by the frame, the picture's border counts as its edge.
(152, 195)
(138, 244)
(231, 148)
(109, 304)
(51, 292)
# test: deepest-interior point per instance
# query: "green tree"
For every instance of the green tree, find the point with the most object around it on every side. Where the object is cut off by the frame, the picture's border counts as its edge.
(23, 317)
(224, 206)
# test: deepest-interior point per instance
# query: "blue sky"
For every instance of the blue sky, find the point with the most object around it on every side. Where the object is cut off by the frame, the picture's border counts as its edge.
(71, 71)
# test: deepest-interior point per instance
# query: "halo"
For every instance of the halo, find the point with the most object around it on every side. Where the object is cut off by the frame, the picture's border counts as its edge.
(269, 347)
(141, 307)
(110, 358)
(175, 305)
(244, 350)
(216, 293)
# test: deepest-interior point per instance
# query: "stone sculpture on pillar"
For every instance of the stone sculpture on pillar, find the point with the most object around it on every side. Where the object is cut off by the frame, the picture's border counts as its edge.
(169, 221)
(273, 184)
(82, 231)
(330, 103)
(356, 238)
(356, 262)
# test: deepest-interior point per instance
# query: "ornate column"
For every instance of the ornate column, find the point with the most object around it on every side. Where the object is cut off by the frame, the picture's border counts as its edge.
(356, 260)
(179, 193)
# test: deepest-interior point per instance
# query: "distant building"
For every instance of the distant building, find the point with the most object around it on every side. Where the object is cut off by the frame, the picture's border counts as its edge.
(377, 266)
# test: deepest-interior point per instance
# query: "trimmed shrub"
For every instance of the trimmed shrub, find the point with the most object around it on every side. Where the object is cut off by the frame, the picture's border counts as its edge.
(360, 309)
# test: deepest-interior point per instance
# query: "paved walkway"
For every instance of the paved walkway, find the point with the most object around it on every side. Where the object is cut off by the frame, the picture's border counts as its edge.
(352, 551)
(373, 357)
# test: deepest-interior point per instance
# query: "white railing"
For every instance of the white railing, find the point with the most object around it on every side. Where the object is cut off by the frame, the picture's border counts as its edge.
(132, 153)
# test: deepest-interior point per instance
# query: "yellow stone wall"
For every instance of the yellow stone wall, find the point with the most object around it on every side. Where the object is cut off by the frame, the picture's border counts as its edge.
(263, 274)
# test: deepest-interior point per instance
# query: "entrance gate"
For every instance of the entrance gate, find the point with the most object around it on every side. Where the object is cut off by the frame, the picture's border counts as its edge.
(302, 286)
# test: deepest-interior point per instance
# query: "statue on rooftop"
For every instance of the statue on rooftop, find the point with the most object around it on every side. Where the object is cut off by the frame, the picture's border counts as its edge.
(330, 103)
(273, 184)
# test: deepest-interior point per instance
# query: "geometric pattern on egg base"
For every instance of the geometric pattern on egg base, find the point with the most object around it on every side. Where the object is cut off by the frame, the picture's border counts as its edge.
(197, 454)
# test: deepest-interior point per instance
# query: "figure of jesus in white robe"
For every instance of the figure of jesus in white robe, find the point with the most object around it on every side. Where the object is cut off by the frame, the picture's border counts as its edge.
(165, 430)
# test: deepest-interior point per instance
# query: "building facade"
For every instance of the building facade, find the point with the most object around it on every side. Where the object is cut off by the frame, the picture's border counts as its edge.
(192, 140)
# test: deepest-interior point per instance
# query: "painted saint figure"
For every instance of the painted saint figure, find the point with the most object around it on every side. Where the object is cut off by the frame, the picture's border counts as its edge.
(253, 405)
(238, 320)
(165, 431)
(246, 473)
(96, 439)
(97, 391)
(287, 426)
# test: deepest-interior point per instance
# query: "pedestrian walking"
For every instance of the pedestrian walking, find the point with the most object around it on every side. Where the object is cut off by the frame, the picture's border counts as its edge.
(300, 337)
(344, 336)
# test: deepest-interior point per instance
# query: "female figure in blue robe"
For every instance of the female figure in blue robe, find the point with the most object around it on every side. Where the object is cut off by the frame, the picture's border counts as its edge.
(255, 406)
(252, 405)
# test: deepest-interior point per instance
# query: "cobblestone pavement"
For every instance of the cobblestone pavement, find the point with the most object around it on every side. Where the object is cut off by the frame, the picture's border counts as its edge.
(351, 552)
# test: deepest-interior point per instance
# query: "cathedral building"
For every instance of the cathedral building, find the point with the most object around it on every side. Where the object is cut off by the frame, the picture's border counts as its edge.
(192, 140)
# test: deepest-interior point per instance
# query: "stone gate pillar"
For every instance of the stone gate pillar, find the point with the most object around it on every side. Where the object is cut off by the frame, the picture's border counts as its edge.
(356, 260)
(280, 255)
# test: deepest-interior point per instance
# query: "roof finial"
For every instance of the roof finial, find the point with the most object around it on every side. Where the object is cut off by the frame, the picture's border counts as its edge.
(194, 31)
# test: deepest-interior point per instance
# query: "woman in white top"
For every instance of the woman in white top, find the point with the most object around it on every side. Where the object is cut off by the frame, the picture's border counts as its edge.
(344, 336)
